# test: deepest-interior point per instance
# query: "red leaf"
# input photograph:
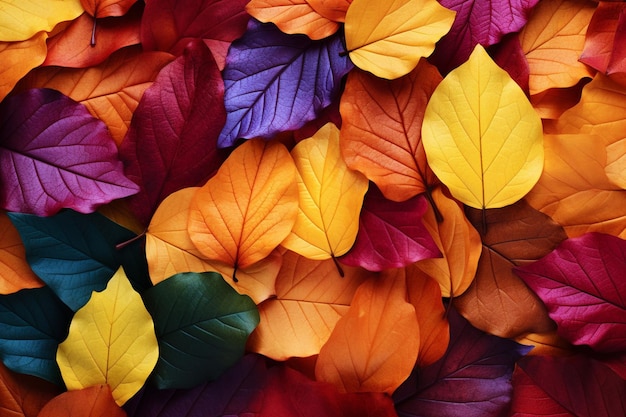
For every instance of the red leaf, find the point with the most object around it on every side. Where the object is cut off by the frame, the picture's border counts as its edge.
(391, 235)
(95, 401)
(582, 284)
(23, 395)
(171, 142)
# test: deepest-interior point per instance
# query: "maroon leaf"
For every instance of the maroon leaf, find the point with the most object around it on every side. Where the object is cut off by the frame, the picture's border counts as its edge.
(171, 142)
(550, 386)
(55, 155)
(582, 284)
(391, 235)
(472, 379)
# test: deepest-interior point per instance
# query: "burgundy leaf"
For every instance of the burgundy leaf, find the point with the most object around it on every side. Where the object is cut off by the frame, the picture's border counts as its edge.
(251, 388)
(172, 140)
(482, 22)
(55, 155)
(551, 386)
(473, 378)
(391, 234)
(277, 82)
(582, 284)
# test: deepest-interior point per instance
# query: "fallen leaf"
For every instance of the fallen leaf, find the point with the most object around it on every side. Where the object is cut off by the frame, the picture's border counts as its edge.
(15, 272)
(23, 395)
(18, 58)
(111, 341)
(374, 346)
(94, 401)
(389, 38)
(261, 97)
(248, 208)
(381, 129)
(484, 161)
(553, 40)
(106, 8)
(331, 9)
(56, 155)
(616, 163)
(603, 36)
(22, 20)
(581, 284)
(201, 324)
(310, 299)
(330, 195)
(509, 55)
(552, 103)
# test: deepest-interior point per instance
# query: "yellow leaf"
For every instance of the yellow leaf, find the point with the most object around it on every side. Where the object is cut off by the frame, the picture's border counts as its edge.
(388, 38)
(20, 19)
(243, 213)
(481, 135)
(111, 341)
(18, 58)
(169, 251)
(331, 196)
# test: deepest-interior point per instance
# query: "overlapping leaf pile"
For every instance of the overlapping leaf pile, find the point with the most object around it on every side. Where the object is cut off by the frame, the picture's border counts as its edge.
(312, 208)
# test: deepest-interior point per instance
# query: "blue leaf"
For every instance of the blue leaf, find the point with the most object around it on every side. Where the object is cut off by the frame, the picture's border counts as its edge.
(277, 82)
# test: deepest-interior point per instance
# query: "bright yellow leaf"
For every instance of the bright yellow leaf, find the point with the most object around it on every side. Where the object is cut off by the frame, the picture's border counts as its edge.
(243, 213)
(481, 135)
(331, 196)
(18, 58)
(388, 38)
(111, 341)
(21, 19)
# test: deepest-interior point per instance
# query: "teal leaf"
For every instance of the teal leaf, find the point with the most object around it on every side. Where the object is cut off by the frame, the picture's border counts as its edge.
(202, 325)
(76, 254)
(32, 324)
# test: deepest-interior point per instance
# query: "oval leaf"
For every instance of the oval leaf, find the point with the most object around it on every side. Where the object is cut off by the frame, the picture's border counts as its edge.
(481, 135)
(389, 38)
(111, 342)
(331, 196)
(95, 401)
(20, 20)
(241, 214)
(202, 326)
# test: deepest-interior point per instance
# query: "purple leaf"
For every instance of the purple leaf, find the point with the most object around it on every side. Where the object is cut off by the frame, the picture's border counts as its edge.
(473, 378)
(582, 284)
(277, 82)
(391, 235)
(482, 22)
(172, 140)
(55, 155)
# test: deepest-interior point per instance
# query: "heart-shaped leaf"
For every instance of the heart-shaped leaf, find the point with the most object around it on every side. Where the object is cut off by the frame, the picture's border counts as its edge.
(34, 17)
(202, 325)
(94, 401)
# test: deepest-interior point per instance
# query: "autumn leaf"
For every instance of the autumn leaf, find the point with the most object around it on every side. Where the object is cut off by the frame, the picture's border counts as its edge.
(374, 346)
(381, 129)
(242, 213)
(18, 58)
(59, 156)
(310, 299)
(21, 20)
(106, 8)
(111, 341)
(553, 40)
(330, 195)
(94, 401)
(23, 395)
(331, 9)
(389, 38)
(15, 273)
(293, 16)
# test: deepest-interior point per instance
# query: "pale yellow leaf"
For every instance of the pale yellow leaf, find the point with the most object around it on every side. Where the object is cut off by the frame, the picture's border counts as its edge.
(21, 19)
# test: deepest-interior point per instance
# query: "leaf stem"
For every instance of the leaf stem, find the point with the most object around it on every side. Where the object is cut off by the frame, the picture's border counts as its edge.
(235, 279)
(122, 245)
(93, 32)
(431, 201)
(339, 268)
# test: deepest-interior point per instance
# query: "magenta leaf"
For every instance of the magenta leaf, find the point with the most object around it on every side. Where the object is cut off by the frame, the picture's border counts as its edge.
(172, 140)
(55, 155)
(277, 82)
(472, 379)
(578, 386)
(582, 284)
(391, 234)
(252, 388)
(482, 22)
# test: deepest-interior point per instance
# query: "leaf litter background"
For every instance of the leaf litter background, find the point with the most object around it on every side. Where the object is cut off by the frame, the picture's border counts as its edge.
(312, 207)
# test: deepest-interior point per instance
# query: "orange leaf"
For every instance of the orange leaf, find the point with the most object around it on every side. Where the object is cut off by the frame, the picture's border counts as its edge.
(169, 251)
(551, 103)
(310, 298)
(293, 16)
(248, 208)
(425, 295)
(616, 163)
(94, 401)
(381, 129)
(18, 58)
(553, 40)
(105, 8)
(23, 395)
(111, 90)
(331, 9)
(459, 243)
(15, 273)
(375, 345)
